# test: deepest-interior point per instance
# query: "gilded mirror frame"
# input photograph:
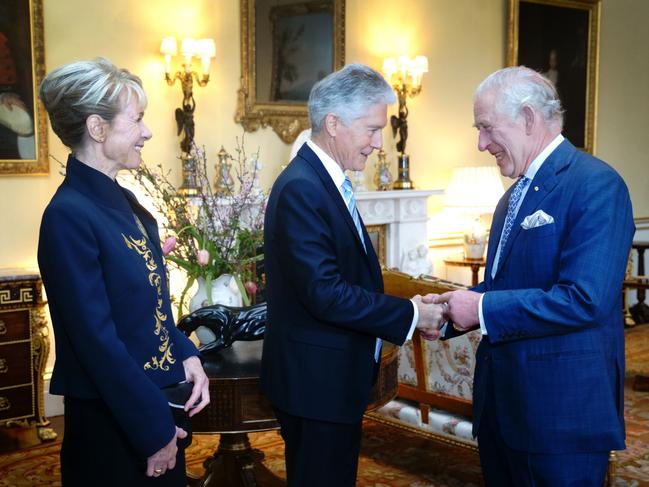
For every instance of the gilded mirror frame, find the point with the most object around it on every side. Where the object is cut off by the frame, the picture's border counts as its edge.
(574, 35)
(286, 119)
(28, 47)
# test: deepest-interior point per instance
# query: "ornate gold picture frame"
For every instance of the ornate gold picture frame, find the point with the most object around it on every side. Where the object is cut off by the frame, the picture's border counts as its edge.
(560, 38)
(23, 124)
(377, 237)
(262, 101)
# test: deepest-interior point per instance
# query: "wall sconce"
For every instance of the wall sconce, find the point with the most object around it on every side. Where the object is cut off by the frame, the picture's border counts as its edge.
(205, 50)
(404, 75)
(474, 191)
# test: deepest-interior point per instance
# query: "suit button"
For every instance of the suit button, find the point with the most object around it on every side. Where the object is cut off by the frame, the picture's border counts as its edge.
(486, 358)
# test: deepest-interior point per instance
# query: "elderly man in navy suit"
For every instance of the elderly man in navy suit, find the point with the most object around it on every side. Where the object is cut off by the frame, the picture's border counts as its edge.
(327, 313)
(548, 387)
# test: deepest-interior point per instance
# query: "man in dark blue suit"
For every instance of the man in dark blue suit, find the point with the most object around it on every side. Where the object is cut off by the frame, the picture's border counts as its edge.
(548, 387)
(327, 313)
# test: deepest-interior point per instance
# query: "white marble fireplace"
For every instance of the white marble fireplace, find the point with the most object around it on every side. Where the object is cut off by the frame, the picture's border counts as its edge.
(400, 216)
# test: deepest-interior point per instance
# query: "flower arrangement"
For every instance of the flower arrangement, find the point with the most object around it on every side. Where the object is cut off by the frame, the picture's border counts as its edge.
(216, 231)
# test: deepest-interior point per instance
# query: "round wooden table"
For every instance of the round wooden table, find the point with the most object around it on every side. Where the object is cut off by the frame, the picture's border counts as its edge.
(462, 261)
(237, 408)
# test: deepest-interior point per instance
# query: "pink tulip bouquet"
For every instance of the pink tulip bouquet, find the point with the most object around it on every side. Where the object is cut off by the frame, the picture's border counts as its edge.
(210, 234)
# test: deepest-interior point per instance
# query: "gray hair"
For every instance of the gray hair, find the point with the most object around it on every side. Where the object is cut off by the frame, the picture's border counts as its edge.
(74, 91)
(348, 93)
(517, 87)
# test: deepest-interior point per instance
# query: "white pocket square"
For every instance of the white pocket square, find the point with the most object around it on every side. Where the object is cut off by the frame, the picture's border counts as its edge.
(536, 219)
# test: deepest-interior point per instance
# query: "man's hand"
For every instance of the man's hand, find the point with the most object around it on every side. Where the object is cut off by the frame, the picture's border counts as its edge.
(430, 316)
(194, 373)
(461, 307)
(164, 459)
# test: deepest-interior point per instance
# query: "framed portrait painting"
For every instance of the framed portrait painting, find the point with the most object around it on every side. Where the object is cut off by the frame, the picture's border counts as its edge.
(286, 46)
(23, 125)
(302, 51)
(560, 39)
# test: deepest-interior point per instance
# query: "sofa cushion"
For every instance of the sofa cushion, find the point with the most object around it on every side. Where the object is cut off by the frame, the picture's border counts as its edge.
(407, 413)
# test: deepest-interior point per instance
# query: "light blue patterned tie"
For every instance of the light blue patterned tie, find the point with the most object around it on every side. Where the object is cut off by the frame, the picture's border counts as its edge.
(350, 201)
(514, 198)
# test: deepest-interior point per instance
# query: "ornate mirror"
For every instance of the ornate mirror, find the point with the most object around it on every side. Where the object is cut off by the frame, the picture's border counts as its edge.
(286, 46)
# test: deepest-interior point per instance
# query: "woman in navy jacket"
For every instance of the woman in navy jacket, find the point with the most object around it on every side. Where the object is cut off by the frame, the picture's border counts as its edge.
(100, 258)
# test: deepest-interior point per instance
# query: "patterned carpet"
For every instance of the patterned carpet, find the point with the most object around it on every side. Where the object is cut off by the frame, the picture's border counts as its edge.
(633, 465)
(637, 350)
(389, 457)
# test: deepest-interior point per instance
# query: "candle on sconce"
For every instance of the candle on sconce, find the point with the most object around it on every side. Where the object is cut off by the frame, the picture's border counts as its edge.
(206, 49)
(169, 48)
(188, 50)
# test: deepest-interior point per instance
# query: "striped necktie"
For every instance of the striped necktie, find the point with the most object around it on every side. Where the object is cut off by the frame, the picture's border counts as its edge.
(350, 201)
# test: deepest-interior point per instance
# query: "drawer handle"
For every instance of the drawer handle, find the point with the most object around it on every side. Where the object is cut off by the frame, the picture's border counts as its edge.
(4, 368)
(3, 328)
(5, 404)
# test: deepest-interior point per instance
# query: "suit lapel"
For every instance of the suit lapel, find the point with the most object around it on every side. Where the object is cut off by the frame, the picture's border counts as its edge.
(312, 159)
(372, 258)
(541, 186)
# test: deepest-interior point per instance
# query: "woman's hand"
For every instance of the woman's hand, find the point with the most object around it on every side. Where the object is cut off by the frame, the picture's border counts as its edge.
(194, 373)
(164, 459)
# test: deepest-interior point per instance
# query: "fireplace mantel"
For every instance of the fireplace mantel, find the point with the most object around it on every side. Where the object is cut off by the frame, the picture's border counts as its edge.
(404, 214)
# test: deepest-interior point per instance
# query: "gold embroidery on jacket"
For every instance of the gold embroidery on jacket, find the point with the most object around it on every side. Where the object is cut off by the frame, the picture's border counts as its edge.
(165, 358)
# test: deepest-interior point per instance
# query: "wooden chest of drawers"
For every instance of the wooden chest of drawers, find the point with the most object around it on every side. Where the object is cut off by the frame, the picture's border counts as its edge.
(24, 347)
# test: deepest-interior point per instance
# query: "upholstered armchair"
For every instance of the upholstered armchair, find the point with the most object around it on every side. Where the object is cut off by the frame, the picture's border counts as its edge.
(435, 377)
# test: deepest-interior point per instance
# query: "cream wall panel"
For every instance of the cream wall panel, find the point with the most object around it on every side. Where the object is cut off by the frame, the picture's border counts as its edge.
(623, 120)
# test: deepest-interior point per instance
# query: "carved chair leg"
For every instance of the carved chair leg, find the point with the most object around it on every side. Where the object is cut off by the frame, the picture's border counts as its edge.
(423, 408)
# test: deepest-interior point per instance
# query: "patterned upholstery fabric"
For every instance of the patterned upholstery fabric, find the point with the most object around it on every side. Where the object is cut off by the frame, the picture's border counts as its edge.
(449, 367)
(449, 364)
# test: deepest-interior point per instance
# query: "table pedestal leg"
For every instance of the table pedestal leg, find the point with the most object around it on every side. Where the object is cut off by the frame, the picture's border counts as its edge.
(235, 464)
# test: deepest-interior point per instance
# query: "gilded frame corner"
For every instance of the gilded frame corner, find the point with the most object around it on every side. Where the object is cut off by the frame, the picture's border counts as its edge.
(584, 129)
(39, 165)
(286, 119)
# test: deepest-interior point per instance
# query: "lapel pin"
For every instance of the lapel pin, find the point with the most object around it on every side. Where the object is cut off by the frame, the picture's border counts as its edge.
(536, 188)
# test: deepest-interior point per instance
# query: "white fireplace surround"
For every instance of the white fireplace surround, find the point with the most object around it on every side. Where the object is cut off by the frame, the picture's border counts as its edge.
(405, 215)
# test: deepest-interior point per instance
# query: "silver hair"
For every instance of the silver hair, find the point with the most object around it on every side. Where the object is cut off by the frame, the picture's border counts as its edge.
(74, 91)
(519, 86)
(348, 93)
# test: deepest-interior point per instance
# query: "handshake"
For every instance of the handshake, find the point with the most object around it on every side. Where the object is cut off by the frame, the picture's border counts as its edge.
(461, 307)
(431, 316)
